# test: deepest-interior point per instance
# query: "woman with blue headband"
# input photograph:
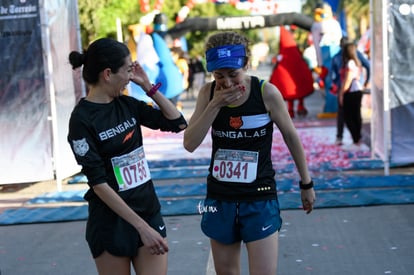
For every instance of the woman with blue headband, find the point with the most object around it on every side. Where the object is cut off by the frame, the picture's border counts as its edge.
(241, 204)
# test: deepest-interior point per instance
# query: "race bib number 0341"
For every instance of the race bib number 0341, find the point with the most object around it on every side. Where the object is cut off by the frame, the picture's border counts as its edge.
(235, 166)
(131, 170)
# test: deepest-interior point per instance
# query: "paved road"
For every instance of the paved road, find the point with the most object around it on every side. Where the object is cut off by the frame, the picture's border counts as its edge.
(341, 241)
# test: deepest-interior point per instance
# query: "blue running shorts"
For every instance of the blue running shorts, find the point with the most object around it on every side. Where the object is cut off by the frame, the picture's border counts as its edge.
(230, 222)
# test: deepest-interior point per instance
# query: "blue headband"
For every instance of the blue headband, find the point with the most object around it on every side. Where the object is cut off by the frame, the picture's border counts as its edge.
(226, 56)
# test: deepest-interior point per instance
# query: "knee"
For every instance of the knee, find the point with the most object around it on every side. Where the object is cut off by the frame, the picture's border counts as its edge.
(226, 269)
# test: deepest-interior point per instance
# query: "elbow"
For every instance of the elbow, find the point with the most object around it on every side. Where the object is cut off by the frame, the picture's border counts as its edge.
(187, 146)
(179, 124)
(192, 139)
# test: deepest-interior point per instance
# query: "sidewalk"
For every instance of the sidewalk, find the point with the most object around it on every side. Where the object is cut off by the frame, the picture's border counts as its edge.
(341, 241)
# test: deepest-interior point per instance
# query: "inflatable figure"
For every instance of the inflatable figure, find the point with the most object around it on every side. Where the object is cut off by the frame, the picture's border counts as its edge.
(152, 52)
(146, 55)
(326, 33)
(309, 54)
(291, 74)
(170, 76)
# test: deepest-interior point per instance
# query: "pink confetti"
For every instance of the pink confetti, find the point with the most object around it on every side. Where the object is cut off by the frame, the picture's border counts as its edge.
(318, 143)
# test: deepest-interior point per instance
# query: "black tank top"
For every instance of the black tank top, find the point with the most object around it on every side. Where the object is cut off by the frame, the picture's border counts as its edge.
(245, 128)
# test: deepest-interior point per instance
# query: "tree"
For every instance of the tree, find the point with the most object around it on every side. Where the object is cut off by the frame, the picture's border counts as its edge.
(356, 14)
(357, 17)
(98, 18)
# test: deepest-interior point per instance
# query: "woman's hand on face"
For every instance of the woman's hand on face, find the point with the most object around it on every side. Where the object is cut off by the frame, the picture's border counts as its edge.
(229, 95)
(139, 76)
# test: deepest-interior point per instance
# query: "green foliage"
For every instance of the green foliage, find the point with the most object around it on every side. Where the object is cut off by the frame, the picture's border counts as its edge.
(98, 19)
(124, 10)
(354, 9)
(170, 9)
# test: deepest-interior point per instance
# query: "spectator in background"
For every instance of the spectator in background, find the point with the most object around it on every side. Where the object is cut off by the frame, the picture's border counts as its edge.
(181, 61)
(334, 75)
(350, 93)
(197, 76)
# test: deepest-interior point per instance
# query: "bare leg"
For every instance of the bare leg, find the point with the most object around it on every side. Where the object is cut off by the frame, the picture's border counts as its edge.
(147, 264)
(108, 264)
(263, 255)
(226, 258)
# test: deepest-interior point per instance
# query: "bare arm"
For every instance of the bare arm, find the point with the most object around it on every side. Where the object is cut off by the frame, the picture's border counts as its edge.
(206, 111)
(151, 238)
(139, 76)
(344, 86)
(201, 120)
(276, 106)
(166, 106)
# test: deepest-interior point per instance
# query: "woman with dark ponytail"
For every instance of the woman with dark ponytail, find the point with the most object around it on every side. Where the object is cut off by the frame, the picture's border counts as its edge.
(125, 225)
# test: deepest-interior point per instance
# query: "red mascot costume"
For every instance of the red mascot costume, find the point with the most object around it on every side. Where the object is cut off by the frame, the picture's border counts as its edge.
(291, 74)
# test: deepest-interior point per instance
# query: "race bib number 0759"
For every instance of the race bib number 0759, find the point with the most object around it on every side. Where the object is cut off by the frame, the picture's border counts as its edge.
(131, 170)
(235, 165)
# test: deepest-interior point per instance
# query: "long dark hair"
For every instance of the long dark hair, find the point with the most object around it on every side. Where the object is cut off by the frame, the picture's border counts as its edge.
(349, 52)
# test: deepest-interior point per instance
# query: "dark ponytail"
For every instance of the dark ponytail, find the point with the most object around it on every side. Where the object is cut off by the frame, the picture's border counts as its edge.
(101, 54)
